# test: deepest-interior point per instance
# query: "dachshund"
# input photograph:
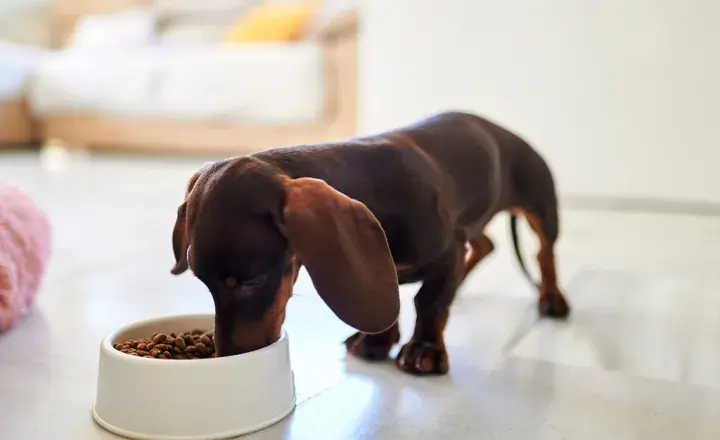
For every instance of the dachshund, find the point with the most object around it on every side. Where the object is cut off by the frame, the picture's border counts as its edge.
(364, 216)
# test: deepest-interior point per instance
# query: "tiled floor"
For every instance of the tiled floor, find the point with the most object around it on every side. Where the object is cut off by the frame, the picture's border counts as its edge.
(640, 358)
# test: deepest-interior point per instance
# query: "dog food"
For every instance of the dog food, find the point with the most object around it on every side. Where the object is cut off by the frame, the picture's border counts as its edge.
(196, 344)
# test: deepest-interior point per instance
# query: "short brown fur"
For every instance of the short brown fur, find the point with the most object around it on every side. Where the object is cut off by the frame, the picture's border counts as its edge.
(363, 216)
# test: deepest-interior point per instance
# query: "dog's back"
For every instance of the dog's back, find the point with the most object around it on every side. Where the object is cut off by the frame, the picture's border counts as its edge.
(477, 167)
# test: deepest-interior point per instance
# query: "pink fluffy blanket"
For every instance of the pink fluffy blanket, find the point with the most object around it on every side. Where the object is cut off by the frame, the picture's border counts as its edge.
(24, 253)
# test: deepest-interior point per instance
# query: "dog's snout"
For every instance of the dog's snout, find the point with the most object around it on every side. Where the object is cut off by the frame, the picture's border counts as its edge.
(242, 338)
(225, 347)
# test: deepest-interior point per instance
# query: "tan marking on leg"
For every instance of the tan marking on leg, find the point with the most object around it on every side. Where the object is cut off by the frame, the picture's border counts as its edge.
(552, 301)
(479, 249)
(545, 256)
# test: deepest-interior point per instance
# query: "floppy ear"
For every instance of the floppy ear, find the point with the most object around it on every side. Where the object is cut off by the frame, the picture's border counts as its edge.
(179, 236)
(345, 251)
(180, 242)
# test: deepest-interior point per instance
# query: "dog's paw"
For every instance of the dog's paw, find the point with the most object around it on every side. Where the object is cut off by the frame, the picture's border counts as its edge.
(423, 358)
(553, 306)
(374, 347)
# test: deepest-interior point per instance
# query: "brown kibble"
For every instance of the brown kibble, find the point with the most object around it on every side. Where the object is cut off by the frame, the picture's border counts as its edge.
(193, 345)
(202, 348)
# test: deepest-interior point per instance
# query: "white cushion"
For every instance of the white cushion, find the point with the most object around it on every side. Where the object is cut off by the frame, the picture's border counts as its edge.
(17, 65)
(125, 29)
(192, 33)
(192, 22)
(196, 8)
(31, 26)
(250, 84)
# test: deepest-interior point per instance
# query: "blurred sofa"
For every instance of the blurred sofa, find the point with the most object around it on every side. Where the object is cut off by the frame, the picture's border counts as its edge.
(17, 65)
(182, 76)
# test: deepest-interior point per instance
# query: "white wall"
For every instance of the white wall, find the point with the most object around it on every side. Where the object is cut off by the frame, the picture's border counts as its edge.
(621, 96)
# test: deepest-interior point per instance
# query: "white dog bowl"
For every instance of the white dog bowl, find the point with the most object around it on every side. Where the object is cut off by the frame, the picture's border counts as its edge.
(213, 398)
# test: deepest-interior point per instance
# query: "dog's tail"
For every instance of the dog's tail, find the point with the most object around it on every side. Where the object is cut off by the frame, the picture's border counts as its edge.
(516, 244)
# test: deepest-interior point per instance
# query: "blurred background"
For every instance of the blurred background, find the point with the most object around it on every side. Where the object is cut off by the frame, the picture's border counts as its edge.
(177, 76)
(622, 98)
(107, 107)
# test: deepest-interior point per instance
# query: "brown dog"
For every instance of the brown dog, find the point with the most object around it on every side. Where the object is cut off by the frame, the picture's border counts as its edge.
(363, 216)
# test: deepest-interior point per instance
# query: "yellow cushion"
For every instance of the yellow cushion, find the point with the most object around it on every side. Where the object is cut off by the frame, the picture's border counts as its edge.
(275, 22)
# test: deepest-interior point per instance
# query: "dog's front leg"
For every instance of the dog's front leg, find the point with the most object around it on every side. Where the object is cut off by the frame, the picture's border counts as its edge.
(375, 347)
(425, 353)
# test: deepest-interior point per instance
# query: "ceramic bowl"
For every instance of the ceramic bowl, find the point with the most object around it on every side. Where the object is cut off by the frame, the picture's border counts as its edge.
(215, 398)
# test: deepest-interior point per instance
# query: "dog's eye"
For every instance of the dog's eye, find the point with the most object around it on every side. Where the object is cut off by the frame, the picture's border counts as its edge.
(248, 288)
(257, 281)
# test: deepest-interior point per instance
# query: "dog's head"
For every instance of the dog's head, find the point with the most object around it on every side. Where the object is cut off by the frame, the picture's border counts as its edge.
(243, 230)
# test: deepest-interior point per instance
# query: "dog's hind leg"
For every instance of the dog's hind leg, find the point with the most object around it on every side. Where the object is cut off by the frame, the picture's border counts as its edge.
(535, 198)
(543, 220)
(551, 301)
